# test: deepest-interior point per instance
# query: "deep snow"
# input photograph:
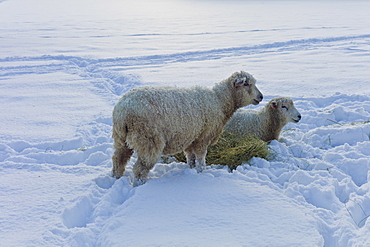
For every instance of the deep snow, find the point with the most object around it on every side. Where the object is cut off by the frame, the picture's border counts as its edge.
(64, 64)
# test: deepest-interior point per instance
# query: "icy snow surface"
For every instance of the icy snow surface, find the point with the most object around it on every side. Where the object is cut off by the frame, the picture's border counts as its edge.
(64, 64)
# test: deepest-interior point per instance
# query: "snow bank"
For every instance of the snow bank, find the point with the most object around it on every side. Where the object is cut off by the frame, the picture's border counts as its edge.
(316, 189)
(63, 68)
(212, 201)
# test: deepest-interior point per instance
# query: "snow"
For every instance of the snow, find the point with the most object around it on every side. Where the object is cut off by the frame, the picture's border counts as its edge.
(64, 64)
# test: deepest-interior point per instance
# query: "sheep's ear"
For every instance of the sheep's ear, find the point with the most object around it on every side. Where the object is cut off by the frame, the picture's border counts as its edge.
(244, 81)
(274, 104)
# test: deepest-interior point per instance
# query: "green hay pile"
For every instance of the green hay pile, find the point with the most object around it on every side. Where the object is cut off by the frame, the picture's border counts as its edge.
(232, 150)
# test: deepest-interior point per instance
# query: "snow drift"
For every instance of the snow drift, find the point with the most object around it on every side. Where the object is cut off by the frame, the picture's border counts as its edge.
(63, 67)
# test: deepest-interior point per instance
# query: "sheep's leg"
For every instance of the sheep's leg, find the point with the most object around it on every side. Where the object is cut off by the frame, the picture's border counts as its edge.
(196, 155)
(190, 158)
(141, 170)
(200, 163)
(148, 154)
(121, 156)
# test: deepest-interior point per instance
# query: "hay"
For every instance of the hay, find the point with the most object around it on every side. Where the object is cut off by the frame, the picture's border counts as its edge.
(231, 150)
(180, 157)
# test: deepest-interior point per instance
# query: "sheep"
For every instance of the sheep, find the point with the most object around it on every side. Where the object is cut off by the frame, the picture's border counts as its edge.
(168, 120)
(267, 123)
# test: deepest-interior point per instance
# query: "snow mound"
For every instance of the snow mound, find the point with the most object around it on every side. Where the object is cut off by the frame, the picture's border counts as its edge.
(64, 64)
(205, 206)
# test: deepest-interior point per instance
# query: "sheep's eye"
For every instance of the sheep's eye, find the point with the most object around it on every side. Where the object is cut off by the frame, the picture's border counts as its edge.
(284, 107)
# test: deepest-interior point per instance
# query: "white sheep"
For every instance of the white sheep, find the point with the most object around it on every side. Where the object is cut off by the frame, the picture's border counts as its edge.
(168, 120)
(267, 123)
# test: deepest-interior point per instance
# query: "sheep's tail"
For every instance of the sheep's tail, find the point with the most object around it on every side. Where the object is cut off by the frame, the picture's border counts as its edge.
(122, 152)
(120, 133)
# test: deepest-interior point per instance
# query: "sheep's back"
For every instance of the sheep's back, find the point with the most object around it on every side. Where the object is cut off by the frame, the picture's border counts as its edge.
(243, 122)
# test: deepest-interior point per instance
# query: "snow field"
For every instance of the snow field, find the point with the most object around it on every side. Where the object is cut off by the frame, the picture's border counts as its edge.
(322, 171)
(64, 64)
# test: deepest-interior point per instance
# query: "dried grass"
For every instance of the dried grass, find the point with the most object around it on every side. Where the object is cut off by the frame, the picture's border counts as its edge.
(232, 150)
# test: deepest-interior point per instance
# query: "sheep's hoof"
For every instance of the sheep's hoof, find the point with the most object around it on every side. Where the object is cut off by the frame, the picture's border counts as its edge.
(138, 182)
(115, 174)
(199, 169)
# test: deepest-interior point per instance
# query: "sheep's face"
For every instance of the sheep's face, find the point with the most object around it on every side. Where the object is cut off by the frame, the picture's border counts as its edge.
(286, 108)
(246, 83)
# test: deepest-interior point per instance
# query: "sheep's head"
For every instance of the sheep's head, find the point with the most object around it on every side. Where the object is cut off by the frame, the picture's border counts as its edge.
(246, 84)
(286, 109)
